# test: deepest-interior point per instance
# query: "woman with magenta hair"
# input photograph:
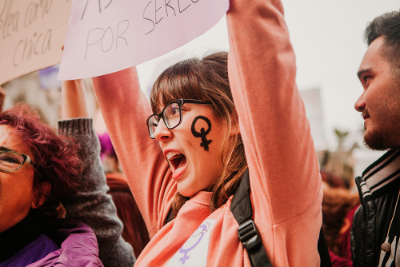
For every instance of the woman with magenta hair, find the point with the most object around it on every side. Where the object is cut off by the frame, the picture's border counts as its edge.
(38, 169)
(209, 121)
(40, 175)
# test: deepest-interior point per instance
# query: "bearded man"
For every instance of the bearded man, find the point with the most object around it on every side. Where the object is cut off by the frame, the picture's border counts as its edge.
(376, 225)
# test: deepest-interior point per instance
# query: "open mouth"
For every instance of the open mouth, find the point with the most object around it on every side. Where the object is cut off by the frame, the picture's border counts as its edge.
(177, 161)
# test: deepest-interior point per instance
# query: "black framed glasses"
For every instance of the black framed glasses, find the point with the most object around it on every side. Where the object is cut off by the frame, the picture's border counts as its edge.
(11, 161)
(171, 115)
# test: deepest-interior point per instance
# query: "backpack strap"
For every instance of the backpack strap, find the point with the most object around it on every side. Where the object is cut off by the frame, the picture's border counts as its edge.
(248, 234)
(247, 231)
(323, 251)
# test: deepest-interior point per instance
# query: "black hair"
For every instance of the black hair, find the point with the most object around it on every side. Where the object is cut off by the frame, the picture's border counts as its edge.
(388, 26)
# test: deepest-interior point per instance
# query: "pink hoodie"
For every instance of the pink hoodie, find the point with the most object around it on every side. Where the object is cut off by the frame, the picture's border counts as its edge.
(284, 175)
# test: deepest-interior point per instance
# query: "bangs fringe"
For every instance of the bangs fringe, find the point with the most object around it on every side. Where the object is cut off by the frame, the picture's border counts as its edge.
(180, 81)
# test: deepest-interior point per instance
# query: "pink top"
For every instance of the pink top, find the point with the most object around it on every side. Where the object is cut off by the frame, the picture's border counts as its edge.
(284, 175)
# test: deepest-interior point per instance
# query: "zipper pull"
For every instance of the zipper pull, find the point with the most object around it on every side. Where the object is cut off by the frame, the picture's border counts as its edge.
(386, 246)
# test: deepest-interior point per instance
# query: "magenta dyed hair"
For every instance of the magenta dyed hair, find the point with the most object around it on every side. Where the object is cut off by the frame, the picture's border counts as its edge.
(55, 157)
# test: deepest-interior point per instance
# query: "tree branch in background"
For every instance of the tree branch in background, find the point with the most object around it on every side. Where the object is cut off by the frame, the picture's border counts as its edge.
(2, 97)
(73, 100)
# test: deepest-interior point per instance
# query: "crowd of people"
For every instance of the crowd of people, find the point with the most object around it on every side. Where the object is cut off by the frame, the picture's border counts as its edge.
(224, 173)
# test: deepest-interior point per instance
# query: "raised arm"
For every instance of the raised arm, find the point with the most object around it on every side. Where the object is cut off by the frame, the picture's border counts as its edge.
(125, 110)
(90, 203)
(73, 100)
(284, 172)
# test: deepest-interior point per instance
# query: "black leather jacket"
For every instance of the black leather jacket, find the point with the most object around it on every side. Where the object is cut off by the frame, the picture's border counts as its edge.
(378, 200)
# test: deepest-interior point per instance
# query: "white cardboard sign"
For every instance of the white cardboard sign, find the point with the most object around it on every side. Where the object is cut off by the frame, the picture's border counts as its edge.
(105, 36)
(32, 33)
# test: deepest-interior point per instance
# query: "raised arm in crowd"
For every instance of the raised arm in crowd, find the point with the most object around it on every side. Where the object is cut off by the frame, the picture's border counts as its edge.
(90, 202)
(213, 118)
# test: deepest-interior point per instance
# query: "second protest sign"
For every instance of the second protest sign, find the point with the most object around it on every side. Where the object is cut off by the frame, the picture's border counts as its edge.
(108, 36)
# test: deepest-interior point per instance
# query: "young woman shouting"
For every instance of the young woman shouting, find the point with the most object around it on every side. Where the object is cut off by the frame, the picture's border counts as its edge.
(213, 118)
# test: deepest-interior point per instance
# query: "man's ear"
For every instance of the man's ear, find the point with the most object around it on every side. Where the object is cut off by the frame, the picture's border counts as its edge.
(38, 200)
(235, 128)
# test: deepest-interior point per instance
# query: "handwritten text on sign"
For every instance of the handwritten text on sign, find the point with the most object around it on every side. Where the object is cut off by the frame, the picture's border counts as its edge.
(32, 33)
(106, 36)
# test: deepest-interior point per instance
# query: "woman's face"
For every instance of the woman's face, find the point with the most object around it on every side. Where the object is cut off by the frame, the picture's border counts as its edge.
(192, 149)
(16, 188)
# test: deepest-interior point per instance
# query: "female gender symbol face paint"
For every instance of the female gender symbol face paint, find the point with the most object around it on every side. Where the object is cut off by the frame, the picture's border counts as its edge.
(203, 133)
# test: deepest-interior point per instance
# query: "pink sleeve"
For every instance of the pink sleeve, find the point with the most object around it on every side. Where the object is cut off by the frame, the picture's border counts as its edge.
(125, 110)
(284, 172)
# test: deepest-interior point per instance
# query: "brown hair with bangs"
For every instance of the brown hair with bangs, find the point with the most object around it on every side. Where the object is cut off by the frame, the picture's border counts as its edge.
(206, 79)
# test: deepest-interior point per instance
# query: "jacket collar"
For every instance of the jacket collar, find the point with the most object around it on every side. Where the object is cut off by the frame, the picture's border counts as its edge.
(78, 246)
(21, 234)
(378, 177)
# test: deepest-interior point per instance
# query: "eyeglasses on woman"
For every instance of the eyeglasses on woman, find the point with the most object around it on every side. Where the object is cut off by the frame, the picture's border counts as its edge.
(171, 115)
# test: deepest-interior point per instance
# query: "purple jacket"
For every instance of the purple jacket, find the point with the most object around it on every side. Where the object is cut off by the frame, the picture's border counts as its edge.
(78, 248)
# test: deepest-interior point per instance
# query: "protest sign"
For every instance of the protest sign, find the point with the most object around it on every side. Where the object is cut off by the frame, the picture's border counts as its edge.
(32, 33)
(48, 78)
(106, 36)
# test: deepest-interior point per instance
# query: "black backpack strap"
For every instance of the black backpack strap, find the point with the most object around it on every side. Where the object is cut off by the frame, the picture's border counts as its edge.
(249, 235)
(247, 231)
(323, 251)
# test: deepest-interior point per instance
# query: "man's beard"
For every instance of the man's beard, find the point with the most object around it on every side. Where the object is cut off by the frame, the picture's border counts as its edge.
(382, 139)
(375, 140)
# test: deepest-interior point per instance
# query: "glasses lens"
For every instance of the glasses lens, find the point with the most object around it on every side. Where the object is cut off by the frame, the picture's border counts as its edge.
(10, 161)
(172, 115)
(152, 124)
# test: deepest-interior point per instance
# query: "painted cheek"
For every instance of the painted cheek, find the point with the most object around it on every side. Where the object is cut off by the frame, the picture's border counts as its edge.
(203, 132)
